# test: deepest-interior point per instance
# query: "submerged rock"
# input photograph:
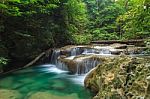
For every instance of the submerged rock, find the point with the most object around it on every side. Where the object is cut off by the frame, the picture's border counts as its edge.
(9, 94)
(47, 95)
(120, 77)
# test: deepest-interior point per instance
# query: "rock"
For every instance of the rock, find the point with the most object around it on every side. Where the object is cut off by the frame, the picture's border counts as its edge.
(9, 94)
(120, 77)
(88, 79)
(136, 50)
(118, 46)
(117, 51)
(72, 50)
(58, 85)
(47, 95)
(70, 65)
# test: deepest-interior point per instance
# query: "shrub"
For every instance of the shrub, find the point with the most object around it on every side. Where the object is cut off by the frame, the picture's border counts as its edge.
(82, 38)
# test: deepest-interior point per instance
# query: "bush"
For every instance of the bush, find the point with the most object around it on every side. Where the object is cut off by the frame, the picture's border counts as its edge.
(82, 38)
(136, 35)
(101, 34)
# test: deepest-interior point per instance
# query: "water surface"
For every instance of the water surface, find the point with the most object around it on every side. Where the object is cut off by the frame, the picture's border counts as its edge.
(44, 81)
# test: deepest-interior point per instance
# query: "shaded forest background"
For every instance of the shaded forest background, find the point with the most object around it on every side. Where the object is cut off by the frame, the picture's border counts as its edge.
(29, 27)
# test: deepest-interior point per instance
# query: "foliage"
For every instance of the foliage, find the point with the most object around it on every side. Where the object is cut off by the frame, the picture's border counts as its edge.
(82, 38)
(102, 34)
(135, 22)
(28, 27)
(102, 16)
(3, 62)
(124, 19)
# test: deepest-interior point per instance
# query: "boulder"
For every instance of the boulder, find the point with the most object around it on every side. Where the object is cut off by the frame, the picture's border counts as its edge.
(121, 77)
(117, 51)
(119, 46)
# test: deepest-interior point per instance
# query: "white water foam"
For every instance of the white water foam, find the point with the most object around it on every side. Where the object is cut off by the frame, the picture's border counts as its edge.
(78, 79)
(52, 68)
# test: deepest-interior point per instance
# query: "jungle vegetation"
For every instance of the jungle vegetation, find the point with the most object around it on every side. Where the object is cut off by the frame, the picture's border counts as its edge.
(29, 27)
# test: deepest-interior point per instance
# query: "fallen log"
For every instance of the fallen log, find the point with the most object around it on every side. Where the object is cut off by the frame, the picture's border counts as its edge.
(35, 60)
(38, 58)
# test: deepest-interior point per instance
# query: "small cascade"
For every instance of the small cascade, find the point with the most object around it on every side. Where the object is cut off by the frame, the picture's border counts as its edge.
(55, 55)
(104, 51)
(101, 51)
(77, 60)
(61, 65)
(75, 51)
(90, 51)
(86, 65)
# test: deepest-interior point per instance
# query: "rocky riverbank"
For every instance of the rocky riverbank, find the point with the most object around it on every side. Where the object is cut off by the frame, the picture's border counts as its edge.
(120, 77)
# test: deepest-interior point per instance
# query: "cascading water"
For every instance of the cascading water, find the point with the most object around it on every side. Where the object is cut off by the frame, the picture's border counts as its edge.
(55, 55)
(101, 51)
(90, 51)
(86, 65)
(105, 51)
(61, 65)
(76, 59)
(82, 66)
(75, 51)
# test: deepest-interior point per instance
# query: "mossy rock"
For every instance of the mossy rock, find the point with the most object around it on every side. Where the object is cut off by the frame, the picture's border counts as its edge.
(120, 77)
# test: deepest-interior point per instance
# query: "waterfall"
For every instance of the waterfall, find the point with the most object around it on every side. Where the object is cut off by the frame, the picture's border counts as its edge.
(86, 65)
(101, 51)
(79, 56)
(90, 51)
(75, 51)
(104, 51)
(61, 65)
(55, 55)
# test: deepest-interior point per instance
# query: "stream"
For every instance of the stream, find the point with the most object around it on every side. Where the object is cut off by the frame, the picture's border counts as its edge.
(63, 78)
(46, 79)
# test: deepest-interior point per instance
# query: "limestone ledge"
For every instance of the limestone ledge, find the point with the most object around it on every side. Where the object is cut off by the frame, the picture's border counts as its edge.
(120, 77)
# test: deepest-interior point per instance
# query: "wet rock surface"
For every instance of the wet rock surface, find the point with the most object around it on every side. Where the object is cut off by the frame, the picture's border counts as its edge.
(80, 64)
(119, 46)
(120, 77)
(9, 94)
(82, 58)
